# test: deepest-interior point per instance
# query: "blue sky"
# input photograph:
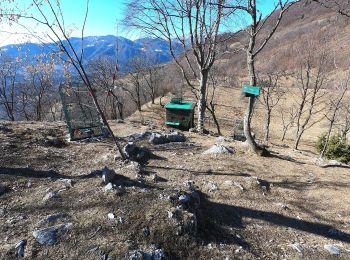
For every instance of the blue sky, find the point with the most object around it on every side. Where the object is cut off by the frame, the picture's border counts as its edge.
(102, 19)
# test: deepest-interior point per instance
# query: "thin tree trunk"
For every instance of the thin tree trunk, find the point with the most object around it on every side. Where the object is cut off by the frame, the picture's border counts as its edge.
(267, 125)
(327, 137)
(250, 106)
(202, 100)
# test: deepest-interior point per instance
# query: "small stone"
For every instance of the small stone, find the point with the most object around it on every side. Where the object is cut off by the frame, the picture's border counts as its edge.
(110, 215)
(298, 247)
(107, 175)
(212, 187)
(171, 214)
(146, 231)
(332, 249)
(50, 195)
(228, 183)
(4, 189)
(68, 183)
(183, 199)
(219, 149)
(155, 178)
(283, 206)
(3, 211)
(108, 187)
(134, 166)
(237, 184)
(52, 218)
(49, 236)
(20, 248)
(189, 185)
(120, 220)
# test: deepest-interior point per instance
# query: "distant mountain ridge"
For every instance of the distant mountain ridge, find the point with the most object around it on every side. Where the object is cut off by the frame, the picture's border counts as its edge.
(155, 49)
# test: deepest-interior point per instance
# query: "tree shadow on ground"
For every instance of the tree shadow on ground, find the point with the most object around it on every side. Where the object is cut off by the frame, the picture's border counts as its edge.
(299, 185)
(194, 172)
(215, 219)
(284, 157)
(31, 173)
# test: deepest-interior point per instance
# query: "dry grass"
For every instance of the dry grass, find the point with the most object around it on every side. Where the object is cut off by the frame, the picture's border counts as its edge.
(239, 225)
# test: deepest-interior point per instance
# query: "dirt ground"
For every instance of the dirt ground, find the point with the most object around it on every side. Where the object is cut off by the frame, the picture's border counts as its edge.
(295, 201)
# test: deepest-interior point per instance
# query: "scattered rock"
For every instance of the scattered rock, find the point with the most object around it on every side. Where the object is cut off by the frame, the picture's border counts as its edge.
(4, 189)
(68, 183)
(212, 187)
(108, 175)
(135, 153)
(158, 138)
(50, 195)
(298, 247)
(332, 249)
(53, 217)
(256, 183)
(219, 149)
(189, 185)
(183, 199)
(3, 211)
(20, 248)
(151, 254)
(283, 206)
(134, 166)
(221, 139)
(139, 136)
(110, 216)
(121, 220)
(237, 184)
(108, 187)
(155, 178)
(49, 236)
(55, 142)
(187, 223)
(146, 231)
(5, 129)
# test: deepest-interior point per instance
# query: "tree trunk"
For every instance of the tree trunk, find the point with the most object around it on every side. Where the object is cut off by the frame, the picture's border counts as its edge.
(298, 137)
(284, 134)
(267, 125)
(250, 106)
(327, 137)
(120, 110)
(202, 100)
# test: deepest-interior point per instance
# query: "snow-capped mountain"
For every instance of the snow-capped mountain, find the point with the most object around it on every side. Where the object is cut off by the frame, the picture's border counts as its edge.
(156, 50)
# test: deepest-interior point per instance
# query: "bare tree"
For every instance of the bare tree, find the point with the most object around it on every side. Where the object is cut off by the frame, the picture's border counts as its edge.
(211, 104)
(311, 79)
(340, 6)
(343, 123)
(288, 116)
(152, 79)
(39, 85)
(8, 80)
(335, 104)
(104, 73)
(254, 46)
(49, 14)
(194, 25)
(272, 93)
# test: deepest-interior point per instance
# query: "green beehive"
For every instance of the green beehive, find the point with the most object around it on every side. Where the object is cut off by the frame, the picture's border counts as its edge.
(180, 114)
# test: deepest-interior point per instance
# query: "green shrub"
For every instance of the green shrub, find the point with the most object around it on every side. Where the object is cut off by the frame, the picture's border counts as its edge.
(337, 149)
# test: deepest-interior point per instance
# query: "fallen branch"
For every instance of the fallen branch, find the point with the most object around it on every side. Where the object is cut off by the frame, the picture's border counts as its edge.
(331, 163)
